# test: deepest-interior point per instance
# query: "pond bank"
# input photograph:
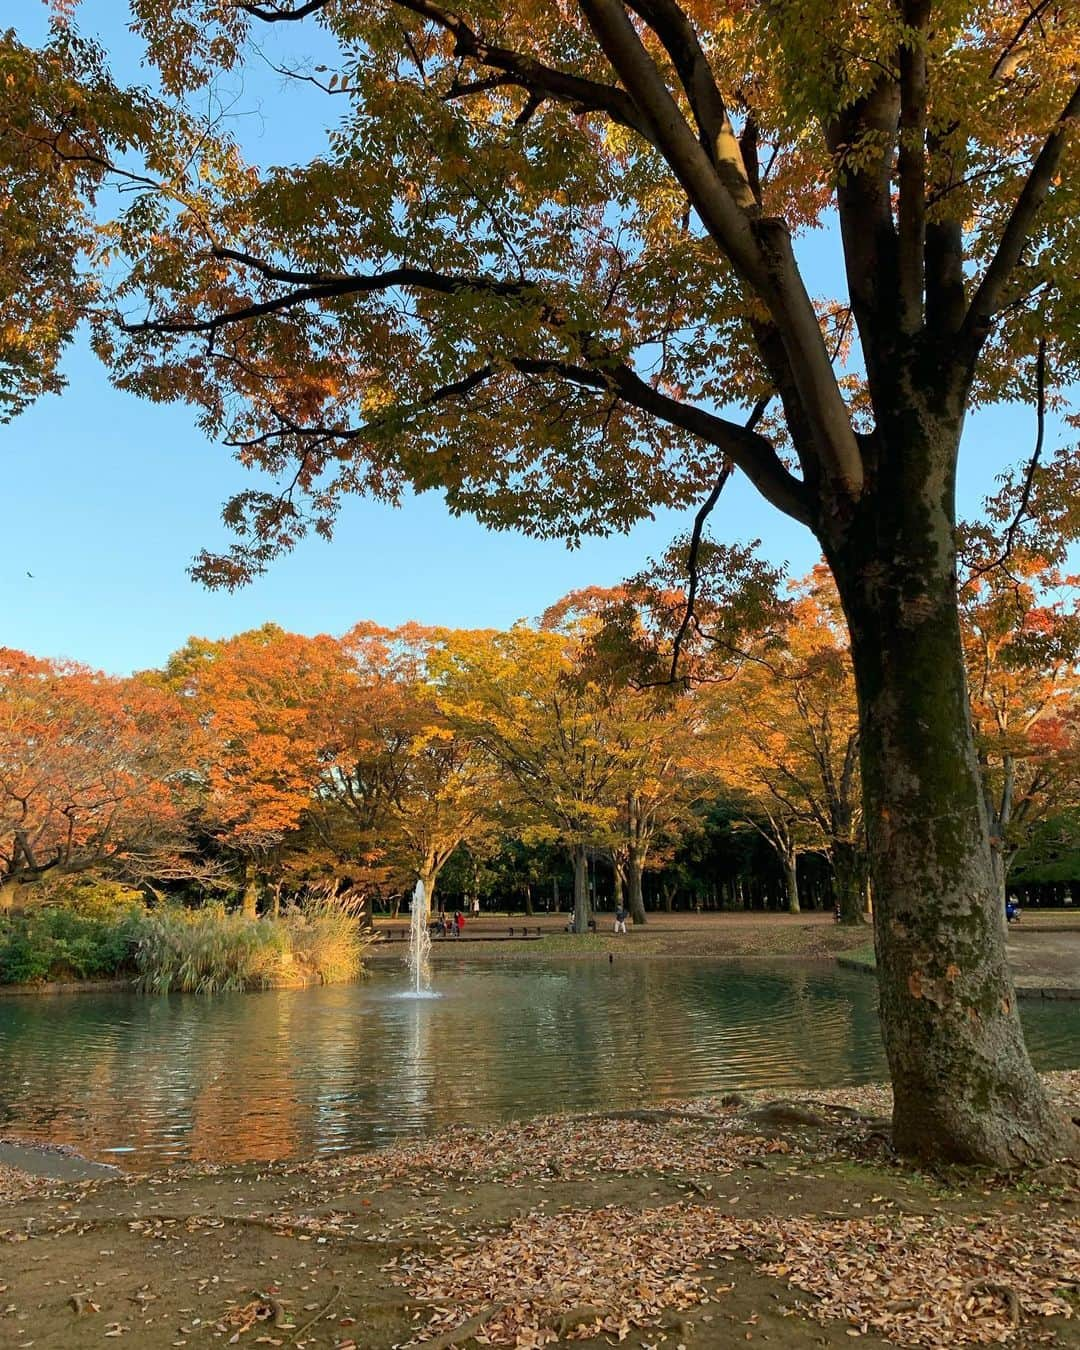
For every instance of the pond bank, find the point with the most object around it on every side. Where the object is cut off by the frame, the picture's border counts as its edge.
(701, 1224)
(1045, 961)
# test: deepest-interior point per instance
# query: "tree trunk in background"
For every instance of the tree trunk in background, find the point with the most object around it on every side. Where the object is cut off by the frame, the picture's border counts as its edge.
(617, 884)
(849, 874)
(580, 922)
(668, 894)
(791, 881)
(964, 1088)
(635, 858)
(637, 891)
(527, 890)
(429, 875)
(15, 895)
(249, 901)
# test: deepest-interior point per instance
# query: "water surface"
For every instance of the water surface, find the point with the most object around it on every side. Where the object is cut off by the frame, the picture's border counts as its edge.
(291, 1073)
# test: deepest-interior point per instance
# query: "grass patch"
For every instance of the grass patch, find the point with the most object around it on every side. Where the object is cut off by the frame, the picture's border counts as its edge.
(862, 957)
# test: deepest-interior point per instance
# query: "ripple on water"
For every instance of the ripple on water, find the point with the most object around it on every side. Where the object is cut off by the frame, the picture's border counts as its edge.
(295, 1072)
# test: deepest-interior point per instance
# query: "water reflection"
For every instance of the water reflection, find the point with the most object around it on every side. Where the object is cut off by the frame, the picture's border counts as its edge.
(291, 1073)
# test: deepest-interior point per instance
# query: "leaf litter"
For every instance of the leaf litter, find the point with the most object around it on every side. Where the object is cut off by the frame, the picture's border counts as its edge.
(913, 1280)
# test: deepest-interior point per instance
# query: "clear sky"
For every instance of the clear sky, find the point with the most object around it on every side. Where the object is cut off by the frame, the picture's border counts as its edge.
(105, 499)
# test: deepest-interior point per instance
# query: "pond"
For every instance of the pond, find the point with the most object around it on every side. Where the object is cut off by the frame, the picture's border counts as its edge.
(290, 1073)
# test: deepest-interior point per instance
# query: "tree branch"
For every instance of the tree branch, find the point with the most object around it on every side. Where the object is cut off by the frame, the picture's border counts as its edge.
(278, 15)
(988, 297)
(751, 452)
(322, 286)
(1029, 478)
(864, 204)
(759, 250)
(680, 41)
(530, 74)
(911, 166)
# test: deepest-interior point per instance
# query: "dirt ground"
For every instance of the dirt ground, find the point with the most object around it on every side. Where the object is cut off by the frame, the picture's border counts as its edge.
(1047, 955)
(702, 1225)
(691, 935)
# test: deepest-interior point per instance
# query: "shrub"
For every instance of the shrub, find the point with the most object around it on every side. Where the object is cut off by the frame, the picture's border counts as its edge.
(57, 943)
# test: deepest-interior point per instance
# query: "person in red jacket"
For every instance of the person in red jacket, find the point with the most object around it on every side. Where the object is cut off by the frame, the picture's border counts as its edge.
(459, 922)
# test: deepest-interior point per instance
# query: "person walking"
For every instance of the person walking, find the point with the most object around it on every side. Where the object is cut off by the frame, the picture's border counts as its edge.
(459, 922)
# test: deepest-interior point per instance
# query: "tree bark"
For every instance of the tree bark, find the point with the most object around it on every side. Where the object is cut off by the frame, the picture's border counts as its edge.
(964, 1087)
(580, 923)
(527, 893)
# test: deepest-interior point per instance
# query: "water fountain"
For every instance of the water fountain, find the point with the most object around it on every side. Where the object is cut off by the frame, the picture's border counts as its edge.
(419, 956)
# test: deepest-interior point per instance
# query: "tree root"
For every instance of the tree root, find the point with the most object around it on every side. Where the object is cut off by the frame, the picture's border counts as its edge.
(639, 1116)
(1004, 1291)
(576, 1317)
(461, 1333)
(316, 1316)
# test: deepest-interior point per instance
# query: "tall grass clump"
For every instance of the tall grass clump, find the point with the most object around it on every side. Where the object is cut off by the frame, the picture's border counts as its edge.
(327, 939)
(211, 950)
(208, 951)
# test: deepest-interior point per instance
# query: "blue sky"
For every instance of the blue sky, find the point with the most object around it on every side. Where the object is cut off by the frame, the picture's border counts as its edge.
(107, 498)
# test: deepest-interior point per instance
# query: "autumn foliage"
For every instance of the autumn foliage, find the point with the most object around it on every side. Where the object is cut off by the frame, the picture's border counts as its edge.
(267, 764)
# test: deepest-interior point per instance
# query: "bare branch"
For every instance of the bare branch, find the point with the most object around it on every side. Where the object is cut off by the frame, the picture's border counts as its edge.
(279, 15)
(529, 73)
(1005, 65)
(1029, 477)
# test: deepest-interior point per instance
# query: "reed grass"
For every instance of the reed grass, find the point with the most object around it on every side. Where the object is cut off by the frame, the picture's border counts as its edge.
(211, 950)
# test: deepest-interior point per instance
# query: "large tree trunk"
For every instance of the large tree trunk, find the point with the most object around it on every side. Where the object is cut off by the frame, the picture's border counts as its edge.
(580, 922)
(849, 873)
(964, 1088)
